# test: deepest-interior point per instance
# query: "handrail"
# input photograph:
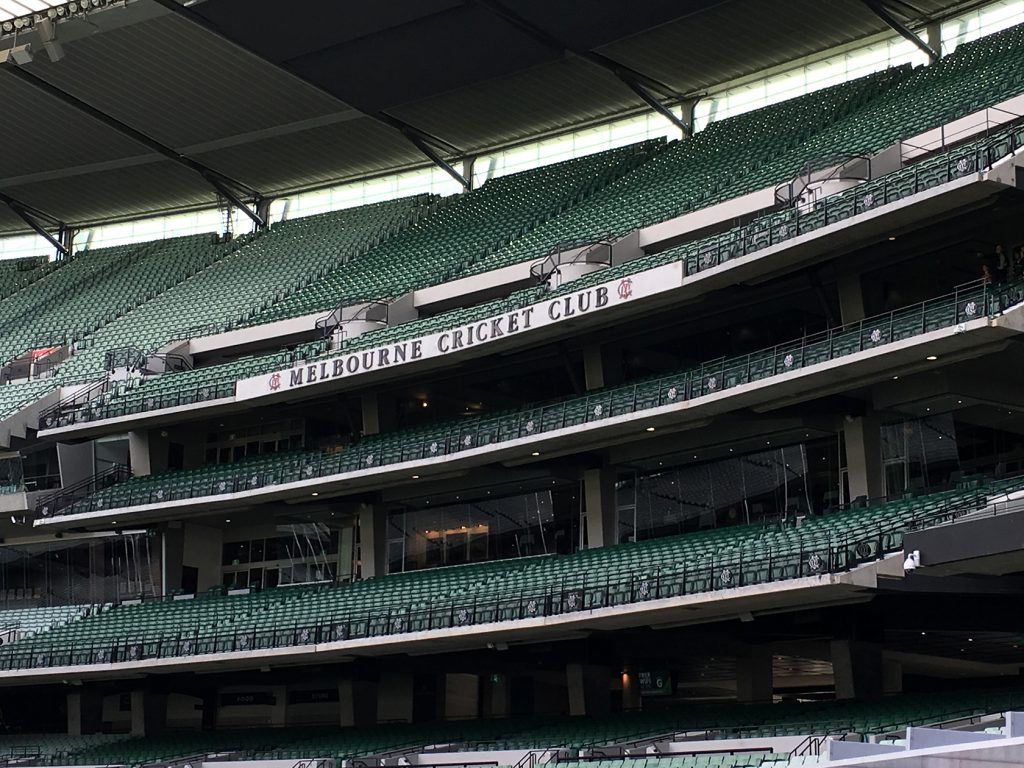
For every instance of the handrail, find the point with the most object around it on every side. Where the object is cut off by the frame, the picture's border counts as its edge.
(768, 230)
(542, 270)
(50, 417)
(837, 163)
(968, 302)
(54, 503)
(746, 564)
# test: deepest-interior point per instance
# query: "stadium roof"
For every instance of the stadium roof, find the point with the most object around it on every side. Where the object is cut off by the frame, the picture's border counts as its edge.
(269, 97)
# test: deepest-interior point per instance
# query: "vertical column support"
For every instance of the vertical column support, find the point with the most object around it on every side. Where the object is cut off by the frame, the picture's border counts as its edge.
(599, 506)
(372, 541)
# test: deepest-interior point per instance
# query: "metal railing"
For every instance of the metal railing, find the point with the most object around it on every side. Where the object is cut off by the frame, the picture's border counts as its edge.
(54, 503)
(816, 555)
(968, 302)
(697, 256)
(541, 271)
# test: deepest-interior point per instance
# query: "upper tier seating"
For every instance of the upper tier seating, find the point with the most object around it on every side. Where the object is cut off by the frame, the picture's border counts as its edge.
(702, 171)
(97, 287)
(434, 440)
(465, 231)
(15, 274)
(866, 129)
(503, 590)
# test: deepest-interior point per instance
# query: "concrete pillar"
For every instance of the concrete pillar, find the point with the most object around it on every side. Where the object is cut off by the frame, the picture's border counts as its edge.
(496, 696)
(279, 709)
(203, 550)
(589, 689)
(862, 436)
(461, 696)
(857, 669)
(631, 698)
(593, 367)
(138, 452)
(172, 554)
(371, 413)
(357, 702)
(372, 541)
(346, 552)
(394, 697)
(210, 703)
(599, 505)
(851, 297)
(754, 682)
(892, 677)
(149, 712)
(85, 712)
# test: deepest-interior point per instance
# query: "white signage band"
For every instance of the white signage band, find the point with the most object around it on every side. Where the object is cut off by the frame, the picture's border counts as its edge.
(484, 331)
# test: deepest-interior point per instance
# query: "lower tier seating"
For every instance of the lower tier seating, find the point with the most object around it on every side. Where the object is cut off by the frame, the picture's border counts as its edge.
(852, 719)
(504, 590)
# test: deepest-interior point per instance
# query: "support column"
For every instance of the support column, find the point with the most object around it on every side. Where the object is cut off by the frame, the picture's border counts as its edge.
(394, 697)
(589, 689)
(172, 557)
(851, 297)
(371, 414)
(497, 696)
(631, 698)
(372, 541)
(85, 712)
(857, 669)
(892, 677)
(346, 553)
(138, 452)
(210, 703)
(754, 683)
(593, 367)
(461, 696)
(862, 436)
(599, 506)
(357, 703)
(149, 713)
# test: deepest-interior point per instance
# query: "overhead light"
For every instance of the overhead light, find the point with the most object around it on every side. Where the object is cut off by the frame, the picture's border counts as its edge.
(535, 453)
(415, 477)
(649, 429)
(314, 493)
(424, 403)
(932, 357)
(19, 54)
(892, 237)
(895, 377)
(228, 520)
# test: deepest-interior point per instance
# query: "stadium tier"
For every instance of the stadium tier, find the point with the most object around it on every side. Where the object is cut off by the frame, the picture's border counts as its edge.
(498, 591)
(556, 734)
(968, 302)
(511, 387)
(217, 381)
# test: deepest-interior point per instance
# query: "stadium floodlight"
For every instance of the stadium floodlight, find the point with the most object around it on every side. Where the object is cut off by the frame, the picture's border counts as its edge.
(19, 54)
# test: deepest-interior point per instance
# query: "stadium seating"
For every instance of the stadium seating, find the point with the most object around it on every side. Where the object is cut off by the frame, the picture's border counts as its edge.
(28, 621)
(567, 734)
(501, 590)
(712, 167)
(433, 440)
(762, 232)
(465, 231)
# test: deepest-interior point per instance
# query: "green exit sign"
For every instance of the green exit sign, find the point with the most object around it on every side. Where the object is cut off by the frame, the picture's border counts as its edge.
(655, 682)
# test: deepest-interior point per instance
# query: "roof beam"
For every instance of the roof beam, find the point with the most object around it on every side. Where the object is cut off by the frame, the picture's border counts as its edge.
(430, 146)
(229, 188)
(647, 88)
(37, 220)
(882, 11)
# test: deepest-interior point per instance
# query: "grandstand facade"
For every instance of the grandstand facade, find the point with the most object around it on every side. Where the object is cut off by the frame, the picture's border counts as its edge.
(396, 422)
